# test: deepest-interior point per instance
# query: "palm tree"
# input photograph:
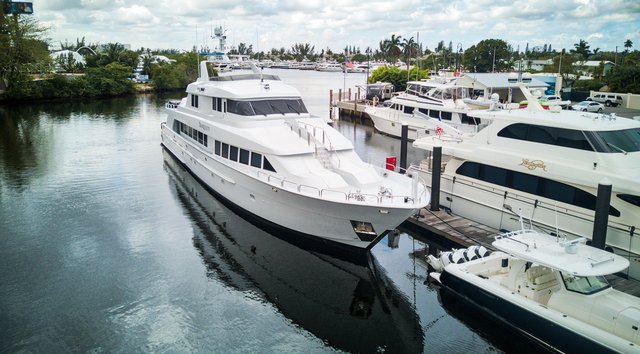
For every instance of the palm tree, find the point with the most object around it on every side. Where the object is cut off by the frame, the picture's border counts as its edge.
(627, 45)
(394, 47)
(582, 49)
(409, 48)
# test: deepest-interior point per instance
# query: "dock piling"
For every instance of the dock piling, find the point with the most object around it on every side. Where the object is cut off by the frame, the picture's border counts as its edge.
(601, 220)
(435, 178)
(404, 141)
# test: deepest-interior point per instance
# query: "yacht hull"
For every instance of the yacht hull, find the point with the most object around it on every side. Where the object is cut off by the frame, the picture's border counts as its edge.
(533, 321)
(392, 124)
(282, 210)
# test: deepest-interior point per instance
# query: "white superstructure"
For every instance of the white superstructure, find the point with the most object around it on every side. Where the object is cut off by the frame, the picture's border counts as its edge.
(545, 165)
(250, 139)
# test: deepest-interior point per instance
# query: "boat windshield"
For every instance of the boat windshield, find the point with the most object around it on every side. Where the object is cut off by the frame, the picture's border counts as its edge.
(619, 141)
(265, 107)
(585, 285)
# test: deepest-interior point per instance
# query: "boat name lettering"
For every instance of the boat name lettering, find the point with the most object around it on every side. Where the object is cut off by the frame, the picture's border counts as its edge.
(204, 127)
(533, 164)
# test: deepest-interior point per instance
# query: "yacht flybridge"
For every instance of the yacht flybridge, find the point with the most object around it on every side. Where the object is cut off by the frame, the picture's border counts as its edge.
(251, 140)
(546, 165)
(552, 290)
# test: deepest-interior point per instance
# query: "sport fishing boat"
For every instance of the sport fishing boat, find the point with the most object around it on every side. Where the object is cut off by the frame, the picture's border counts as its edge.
(552, 290)
(546, 165)
(251, 140)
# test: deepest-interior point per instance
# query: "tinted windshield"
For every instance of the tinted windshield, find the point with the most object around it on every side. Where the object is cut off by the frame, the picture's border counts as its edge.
(619, 141)
(585, 285)
(264, 107)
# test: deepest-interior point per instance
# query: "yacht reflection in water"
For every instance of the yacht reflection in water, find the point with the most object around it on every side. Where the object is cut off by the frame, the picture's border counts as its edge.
(350, 306)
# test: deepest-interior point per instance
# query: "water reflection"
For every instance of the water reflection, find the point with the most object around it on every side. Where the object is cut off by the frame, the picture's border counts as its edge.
(28, 132)
(350, 307)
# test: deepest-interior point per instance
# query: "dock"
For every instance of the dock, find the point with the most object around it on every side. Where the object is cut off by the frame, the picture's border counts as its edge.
(445, 231)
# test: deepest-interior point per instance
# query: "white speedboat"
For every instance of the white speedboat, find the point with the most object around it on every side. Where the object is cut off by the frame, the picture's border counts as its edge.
(330, 67)
(552, 290)
(250, 139)
(546, 165)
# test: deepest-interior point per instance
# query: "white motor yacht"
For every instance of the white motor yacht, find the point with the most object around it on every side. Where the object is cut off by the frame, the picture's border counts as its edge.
(423, 103)
(552, 290)
(546, 165)
(251, 140)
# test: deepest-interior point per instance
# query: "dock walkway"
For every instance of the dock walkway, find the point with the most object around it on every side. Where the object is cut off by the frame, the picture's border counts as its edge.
(441, 225)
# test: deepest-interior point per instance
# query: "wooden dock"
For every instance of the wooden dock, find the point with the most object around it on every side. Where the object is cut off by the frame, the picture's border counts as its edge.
(448, 231)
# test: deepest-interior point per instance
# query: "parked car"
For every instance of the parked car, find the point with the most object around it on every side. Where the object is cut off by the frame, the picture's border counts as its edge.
(555, 100)
(607, 98)
(588, 106)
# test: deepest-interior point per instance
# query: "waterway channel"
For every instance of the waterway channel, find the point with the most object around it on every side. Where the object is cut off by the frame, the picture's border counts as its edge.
(108, 245)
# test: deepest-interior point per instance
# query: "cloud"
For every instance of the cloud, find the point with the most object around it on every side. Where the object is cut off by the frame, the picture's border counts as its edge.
(335, 24)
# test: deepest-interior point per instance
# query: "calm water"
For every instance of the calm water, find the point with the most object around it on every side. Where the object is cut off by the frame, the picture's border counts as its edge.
(108, 245)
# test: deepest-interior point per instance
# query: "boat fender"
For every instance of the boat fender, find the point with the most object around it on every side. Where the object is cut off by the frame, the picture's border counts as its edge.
(457, 257)
(375, 100)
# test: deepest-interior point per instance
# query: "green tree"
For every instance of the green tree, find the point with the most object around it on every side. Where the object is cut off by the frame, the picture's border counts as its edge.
(396, 76)
(582, 49)
(624, 78)
(22, 49)
(488, 55)
(627, 45)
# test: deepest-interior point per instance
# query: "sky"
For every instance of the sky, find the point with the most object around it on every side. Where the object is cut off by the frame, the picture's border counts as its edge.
(266, 24)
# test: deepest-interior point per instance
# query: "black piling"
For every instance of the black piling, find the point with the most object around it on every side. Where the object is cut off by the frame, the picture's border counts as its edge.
(404, 141)
(601, 219)
(435, 178)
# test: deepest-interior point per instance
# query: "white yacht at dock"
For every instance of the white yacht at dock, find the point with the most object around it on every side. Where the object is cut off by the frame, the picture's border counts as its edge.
(552, 290)
(250, 139)
(445, 98)
(546, 165)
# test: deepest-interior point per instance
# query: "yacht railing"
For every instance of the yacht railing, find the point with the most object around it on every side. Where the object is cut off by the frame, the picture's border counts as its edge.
(310, 132)
(380, 198)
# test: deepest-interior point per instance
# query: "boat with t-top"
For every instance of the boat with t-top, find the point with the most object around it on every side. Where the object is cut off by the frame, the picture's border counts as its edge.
(552, 290)
(251, 140)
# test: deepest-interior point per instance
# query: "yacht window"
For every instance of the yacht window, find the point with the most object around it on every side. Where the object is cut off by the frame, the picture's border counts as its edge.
(525, 182)
(256, 160)
(535, 185)
(434, 113)
(424, 111)
(633, 199)
(569, 138)
(240, 107)
(267, 165)
(621, 141)
(244, 156)
(584, 285)
(445, 115)
(217, 147)
(225, 150)
(495, 175)
(408, 109)
(437, 94)
(194, 101)
(233, 153)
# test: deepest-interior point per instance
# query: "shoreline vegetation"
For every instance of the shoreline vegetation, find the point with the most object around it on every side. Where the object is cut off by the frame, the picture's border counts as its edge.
(28, 71)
